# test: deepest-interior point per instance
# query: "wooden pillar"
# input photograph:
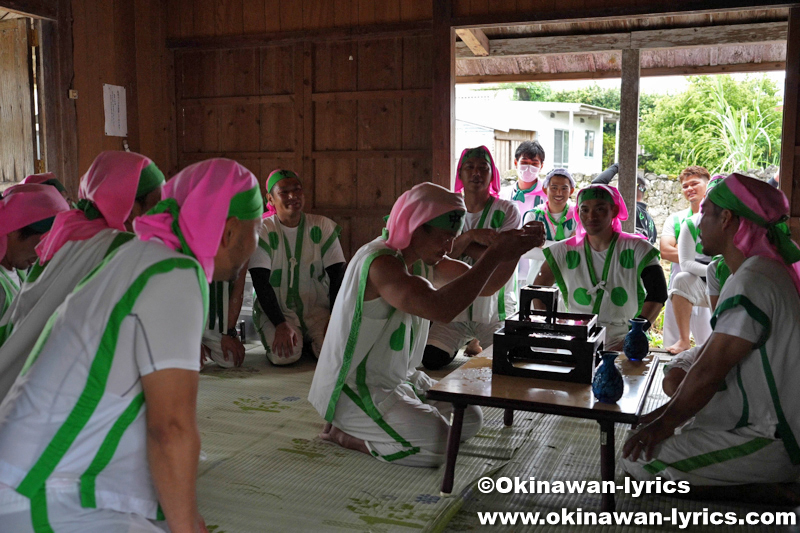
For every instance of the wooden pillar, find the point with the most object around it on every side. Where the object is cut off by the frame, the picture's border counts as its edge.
(629, 134)
(444, 93)
(60, 117)
(790, 139)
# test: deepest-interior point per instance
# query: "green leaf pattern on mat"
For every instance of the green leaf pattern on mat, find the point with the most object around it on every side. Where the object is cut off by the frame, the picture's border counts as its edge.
(313, 449)
(395, 514)
(249, 404)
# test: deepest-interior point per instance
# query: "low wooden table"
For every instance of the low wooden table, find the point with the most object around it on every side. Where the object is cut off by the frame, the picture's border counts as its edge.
(474, 384)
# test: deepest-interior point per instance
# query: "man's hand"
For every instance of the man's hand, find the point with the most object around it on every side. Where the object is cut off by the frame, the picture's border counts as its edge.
(232, 349)
(645, 440)
(286, 338)
(482, 236)
(511, 244)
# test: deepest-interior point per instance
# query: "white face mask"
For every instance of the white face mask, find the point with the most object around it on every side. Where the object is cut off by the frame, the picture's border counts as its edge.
(528, 173)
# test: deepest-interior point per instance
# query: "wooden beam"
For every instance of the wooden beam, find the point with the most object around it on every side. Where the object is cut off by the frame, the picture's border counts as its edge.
(46, 9)
(672, 38)
(712, 35)
(564, 44)
(629, 134)
(402, 29)
(790, 137)
(370, 95)
(608, 74)
(475, 40)
(567, 12)
(444, 93)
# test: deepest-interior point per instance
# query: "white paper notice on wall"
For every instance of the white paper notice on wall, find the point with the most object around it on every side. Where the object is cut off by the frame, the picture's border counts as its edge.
(116, 110)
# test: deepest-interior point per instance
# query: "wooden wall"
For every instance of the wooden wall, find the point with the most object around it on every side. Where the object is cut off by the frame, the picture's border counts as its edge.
(352, 118)
(351, 115)
(104, 48)
(203, 18)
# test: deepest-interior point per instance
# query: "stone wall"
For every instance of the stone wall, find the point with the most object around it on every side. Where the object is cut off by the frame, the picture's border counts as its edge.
(663, 196)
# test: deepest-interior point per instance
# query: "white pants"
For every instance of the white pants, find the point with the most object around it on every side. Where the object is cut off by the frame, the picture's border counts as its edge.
(213, 341)
(691, 287)
(423, 424)
(66, 515)
(712, 457)
(451, 337)
(315, 335)
(700, 321)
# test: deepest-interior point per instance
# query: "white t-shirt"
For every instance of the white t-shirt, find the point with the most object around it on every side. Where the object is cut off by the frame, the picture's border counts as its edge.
(690, 253)
(143, 312)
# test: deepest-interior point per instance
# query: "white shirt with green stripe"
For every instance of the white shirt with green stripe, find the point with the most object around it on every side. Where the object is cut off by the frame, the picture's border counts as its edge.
(78, 405)
(46, 287)
(672, 228)
(759, 304)
(607, 284)
(9, 288)
(499, 215)
(297, 258)
(690, 247)
(364, 357)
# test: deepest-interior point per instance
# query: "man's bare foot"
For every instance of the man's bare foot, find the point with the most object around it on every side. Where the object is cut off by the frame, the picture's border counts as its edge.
(325, 435)
(678, 347)
(473, 348)
(345, 440)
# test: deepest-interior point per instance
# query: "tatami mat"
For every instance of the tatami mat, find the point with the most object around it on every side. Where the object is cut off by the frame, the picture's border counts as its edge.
(265, 469)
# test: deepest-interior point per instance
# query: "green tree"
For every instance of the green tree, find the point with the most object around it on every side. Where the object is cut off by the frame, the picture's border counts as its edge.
(717, 122)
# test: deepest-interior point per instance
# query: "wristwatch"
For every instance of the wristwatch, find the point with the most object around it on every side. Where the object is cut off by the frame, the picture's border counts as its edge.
(232, 333)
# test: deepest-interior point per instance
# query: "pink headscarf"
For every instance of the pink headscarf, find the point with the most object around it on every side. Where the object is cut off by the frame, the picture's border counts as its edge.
(27, 204)
(761, 209)
(110, 184)
(39, 178)
(616, 224)
(420, 204)
(203, 193)
(494, 185)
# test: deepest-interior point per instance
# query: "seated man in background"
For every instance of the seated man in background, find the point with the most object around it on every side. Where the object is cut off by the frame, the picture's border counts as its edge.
(393, 287)
(688, 290)
(557, 215)
(118, 187)
(694, 182)
(116, 449)
(603, 271)
(297, 270)
(478, 177)
(739, 405)
(644, 222)
(221, 341)
(26, 213)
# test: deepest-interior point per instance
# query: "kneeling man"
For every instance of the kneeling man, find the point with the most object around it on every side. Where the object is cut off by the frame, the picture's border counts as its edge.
(742, 390)
(366, 384)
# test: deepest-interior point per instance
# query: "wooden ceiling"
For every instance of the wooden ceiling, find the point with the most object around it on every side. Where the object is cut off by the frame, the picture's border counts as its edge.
(711, 43)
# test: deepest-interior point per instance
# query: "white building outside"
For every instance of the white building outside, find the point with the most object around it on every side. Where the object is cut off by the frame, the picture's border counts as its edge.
(571, 134)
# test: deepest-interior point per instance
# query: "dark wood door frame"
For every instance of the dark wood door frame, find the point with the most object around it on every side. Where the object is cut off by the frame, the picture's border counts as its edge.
(59, 118)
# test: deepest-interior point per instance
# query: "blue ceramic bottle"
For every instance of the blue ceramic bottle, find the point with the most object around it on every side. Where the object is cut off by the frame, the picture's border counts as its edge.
(607, 385)
(636, 345)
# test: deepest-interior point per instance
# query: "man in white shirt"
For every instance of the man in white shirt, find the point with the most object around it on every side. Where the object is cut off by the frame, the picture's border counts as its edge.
(694, 180)
(737, 408)
(297, 270)
(485, 213)
(105, 405)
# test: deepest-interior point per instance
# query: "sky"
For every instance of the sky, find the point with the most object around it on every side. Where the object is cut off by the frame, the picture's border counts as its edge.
(652, 84)
(658, 84)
